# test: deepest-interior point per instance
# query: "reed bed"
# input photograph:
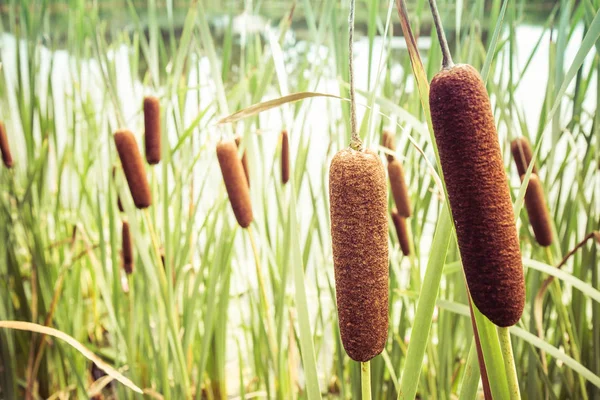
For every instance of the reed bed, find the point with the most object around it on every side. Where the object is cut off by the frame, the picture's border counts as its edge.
(202, 323)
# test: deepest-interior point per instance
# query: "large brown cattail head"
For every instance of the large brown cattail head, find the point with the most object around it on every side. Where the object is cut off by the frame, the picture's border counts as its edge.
(235, 182)
(133, 167)
(522, 154)
(478, 191)
(127, 248)
(387, 140)
(401, 231)
(399, 189)
(5, 148)
(358, 196)
(285, 157)
(238, 141)
(152, 129)
(539, 217)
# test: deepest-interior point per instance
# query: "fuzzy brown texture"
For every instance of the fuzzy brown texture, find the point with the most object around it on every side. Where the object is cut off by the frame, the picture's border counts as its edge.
(119, 204)
(387, 140)
(401, 231)
(127, 248)
(539, 217)
(133, 167)
(152, 129)
(235, 182)
(5, 148)
(478, 191)
(285, 157)
(238, 140)
(399, 189)
(522, 154)
(359, 230)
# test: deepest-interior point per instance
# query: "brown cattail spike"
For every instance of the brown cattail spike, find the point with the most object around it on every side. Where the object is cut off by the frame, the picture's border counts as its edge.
(539, 217)
(5, 148)
(285, 157)
(359, 229)
(127, 248)
(235, 182)
(152, 129)
(238, 140)
(387, 140)
(401, 231)
(399, 189)
(477, 187)
(522, 154)
(133, 167)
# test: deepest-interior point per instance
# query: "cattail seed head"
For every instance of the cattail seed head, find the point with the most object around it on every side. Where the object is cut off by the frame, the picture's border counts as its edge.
(539, 217)
(478, 192)
(285, 157)
(152, 129)
(127, 248)
(5, 148)
(235, 182)
(401, 231)
(387, 140)
(238, 140)
(133, 167)
(522, 154)
(399, 189)
(359, 230)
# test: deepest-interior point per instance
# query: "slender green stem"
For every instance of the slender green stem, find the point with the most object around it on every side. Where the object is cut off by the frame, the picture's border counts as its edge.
(509, 363)
(365, 379)
(263, 296)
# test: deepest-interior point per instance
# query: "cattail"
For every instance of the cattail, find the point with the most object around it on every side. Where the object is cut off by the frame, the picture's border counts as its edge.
(127, 249)
(522, 154)
(238, 140)
(387, 140)
(133, 167)
(477, 188)
(539, 218)
(285, 157)
(119, 204)
(5, 148)
(399, 190)
(235, 182)
(152, 129)
(359, 230)
(401, 231)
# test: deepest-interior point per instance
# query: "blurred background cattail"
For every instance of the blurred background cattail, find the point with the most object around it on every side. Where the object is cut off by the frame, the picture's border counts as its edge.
(401, 231)
(5, 148)
(127, 248)
(522, 154)
(133, 167)
(359, 230)
(387, 140)
(152, 138)
(477, 187)
(238, 141)
(537, 210)
(399, 189)
(235, 182)
(285, 157)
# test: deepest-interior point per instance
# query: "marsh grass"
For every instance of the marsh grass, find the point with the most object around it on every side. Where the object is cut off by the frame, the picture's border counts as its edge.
(196, 328)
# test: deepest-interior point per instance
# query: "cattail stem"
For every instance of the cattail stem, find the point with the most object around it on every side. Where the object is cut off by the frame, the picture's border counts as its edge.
(263, 297)
(365, 379)
(355, 143)
(509, 363)
(446, 56)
